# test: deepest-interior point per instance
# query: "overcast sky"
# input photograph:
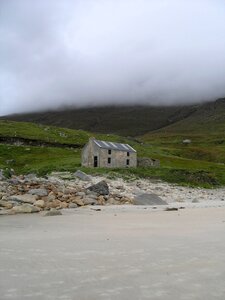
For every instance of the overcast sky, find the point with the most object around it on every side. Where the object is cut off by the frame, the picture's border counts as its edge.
(87, 52)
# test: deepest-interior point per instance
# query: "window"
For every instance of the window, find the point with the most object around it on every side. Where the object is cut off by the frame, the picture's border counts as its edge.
(128, 153)
(128, 162)
(109, 160)
(109, 152)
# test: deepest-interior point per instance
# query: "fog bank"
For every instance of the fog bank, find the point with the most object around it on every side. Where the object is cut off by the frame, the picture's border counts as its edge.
(91, 52)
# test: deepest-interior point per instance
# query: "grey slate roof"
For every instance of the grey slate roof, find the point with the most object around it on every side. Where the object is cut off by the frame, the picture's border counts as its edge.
(114, 146)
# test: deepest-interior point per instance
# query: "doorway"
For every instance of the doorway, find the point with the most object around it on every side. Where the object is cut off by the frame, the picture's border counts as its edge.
(95, 161)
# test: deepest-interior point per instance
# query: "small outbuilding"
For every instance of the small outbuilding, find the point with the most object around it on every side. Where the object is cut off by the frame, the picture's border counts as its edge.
(105, 154)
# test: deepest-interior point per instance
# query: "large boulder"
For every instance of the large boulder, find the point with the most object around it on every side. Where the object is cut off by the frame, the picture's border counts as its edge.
(25, 208)
(40, 203)
(38, 192)
(6, 204)
(148, 199)
(100, 188)
(26, 198)
(78, 201)
(89, 201)
(81, 175)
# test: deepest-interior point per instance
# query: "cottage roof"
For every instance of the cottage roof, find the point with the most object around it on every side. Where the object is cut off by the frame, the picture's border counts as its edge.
(114, 146)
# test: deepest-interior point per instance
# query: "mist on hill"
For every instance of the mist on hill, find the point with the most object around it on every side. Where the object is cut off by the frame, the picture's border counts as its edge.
(158, 52)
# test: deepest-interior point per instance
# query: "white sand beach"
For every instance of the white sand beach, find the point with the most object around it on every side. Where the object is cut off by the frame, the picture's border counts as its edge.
(119, 252)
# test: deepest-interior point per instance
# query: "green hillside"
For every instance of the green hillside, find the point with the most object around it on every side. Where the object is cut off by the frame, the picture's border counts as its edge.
(198, 164)
(206, 130)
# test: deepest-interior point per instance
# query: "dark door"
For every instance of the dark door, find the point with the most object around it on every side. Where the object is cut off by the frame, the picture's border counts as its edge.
(95, 161)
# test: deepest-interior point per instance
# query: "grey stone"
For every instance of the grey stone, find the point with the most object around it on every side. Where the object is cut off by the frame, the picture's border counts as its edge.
(92, 195)
(81, 194)
(14, 181)
(30, 177)
(62, 175)
(38, 192)
(81, 175)
(148, 199)
(6, 212)
(171, 209)
(89, 201)
(72, 205)
(100, 188)
(40, 203)
(112, 201)
(6, 204)
(25, 208)
(53, 212)
(186, 142)
(26, 198)
(2, 177)
(195, 201)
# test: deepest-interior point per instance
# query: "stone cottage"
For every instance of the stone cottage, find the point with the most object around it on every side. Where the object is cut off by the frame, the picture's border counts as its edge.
(104, 154)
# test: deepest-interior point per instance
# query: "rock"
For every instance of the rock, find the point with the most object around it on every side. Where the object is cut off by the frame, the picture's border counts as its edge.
(112, 201)
(30, 178)
(62, 175)
(14, 181)
(78, 201)
(171, 209)
(25, 208)
(6, 212)
(101, 200)
(195, 201)
(92, 196)
(64, 205)
(72, 205)
(101, 188)
(81, 194)
(2, 177)
(81, 175)
(53, 212)
(54, 204)
(26, 198)
(126, 200)
(40, 203)
(6, 204)
(89, 201)
(51, 197)
(186, 142)
(38, 192)
(148, 199)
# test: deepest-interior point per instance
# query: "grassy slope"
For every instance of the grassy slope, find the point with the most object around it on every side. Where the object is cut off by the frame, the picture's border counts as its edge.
(197, 164)
(206, 129)
(50, 133)
(25, 159)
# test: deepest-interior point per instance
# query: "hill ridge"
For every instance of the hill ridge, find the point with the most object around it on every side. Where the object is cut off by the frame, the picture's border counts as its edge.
(128, 120)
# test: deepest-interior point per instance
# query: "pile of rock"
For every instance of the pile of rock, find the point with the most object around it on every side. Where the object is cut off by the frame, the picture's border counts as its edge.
(29, 194)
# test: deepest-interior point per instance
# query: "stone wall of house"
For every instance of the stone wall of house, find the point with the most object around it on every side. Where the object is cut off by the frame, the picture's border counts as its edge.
(118, 158)
(89, 151)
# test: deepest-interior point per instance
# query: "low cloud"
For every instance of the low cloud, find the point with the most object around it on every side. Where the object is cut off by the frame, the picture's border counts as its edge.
(94, 52)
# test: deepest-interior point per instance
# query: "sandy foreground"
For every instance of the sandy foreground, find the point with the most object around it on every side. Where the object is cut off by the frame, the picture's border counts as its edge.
(120, 252)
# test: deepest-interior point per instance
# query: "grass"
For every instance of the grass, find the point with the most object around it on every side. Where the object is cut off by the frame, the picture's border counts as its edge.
(199, 164)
